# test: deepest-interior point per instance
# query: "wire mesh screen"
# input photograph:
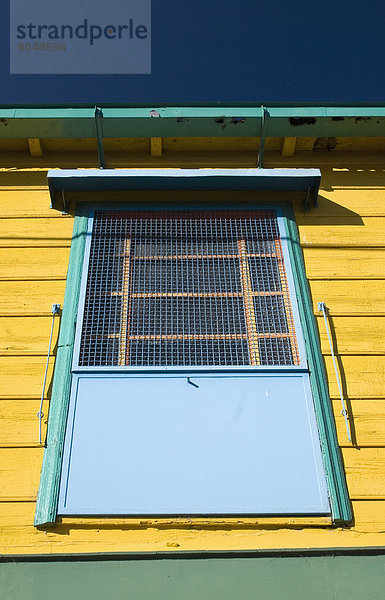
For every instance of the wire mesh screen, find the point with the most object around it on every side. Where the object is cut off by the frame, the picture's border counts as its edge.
(187, 288)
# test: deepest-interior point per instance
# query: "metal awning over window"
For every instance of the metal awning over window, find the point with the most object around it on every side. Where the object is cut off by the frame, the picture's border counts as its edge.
(61, 181)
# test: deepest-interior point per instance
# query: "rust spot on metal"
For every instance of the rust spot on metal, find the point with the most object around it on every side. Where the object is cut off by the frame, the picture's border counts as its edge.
(296, 121)
(338, 118)
(4, 121)
(362, 119)
(224, 121)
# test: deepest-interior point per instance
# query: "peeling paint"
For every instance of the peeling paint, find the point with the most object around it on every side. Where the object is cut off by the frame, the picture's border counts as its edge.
(172, 544)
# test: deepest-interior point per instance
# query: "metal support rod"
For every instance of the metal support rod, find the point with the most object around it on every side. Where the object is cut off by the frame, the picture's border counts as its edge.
(265, 114)
(99, 137)
(65, 204)
(344, 412)
(40, 414)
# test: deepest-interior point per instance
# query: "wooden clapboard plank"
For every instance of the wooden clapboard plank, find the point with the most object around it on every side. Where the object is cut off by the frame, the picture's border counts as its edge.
(34, 202)
(23, 376)
(71, 535)
(19, 422)
(369, 517)
(350, 297)
(365, 472)
(353, 231)
(33, 263)
(367, 419)
(353, 335)
(337, 202)
(344, 263)
(24, 180)
(27, 335)
(42, 232)
(20, 472)
(30, 298)
(364, 376)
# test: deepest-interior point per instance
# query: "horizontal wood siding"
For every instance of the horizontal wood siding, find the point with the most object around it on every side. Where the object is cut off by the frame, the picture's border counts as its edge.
(31, 298)
(344, 264)
(36, 265)
(343, 242)
(19, 423)
(18, 535)
(36, 232)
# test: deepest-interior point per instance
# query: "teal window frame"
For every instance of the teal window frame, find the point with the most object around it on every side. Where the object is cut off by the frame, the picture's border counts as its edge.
(47, 501)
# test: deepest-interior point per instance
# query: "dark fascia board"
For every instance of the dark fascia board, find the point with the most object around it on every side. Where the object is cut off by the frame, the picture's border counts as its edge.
(194, 554)
(194, 121)
(59, 181)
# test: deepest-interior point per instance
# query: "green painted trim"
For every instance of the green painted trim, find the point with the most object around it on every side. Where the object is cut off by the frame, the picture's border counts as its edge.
(46, 507)
(126, 105)
(339, 497)
(267, 578)
(192, 111)
(194, 121)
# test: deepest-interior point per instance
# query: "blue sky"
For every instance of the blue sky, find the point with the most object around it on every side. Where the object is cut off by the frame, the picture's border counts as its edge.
(247, 51)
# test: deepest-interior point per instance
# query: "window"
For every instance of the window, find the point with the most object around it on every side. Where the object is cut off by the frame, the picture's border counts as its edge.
(191, 392)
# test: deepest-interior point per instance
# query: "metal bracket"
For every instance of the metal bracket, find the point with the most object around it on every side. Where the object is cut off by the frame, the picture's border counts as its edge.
(310, 200)
(262, 136)
(65, 204)
(306, 202)
(99, 137)
(55, 311)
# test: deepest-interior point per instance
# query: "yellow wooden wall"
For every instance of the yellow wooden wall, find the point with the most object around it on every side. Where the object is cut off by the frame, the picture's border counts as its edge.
(343, 242)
